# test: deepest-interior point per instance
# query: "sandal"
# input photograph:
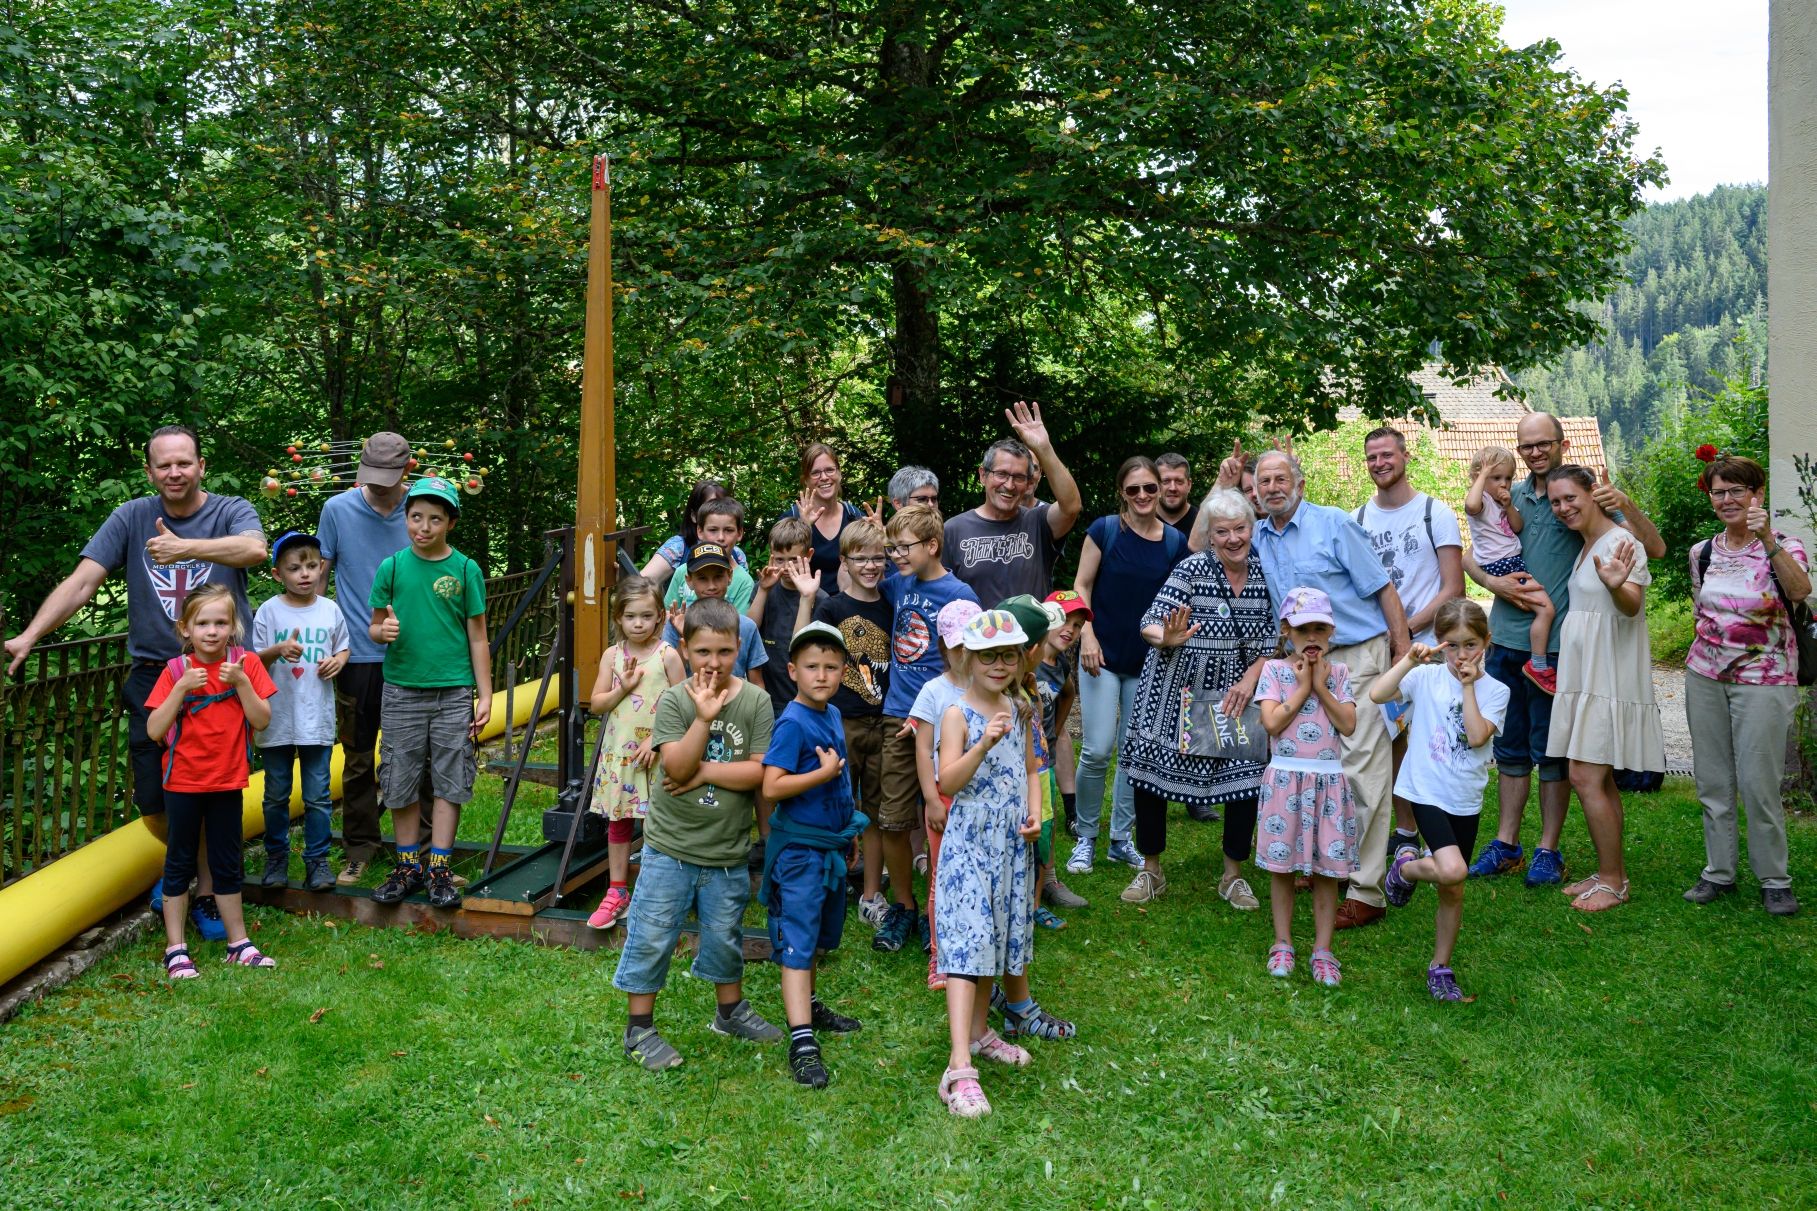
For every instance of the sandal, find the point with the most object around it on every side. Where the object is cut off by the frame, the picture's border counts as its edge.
(1571, 891)
(178, 965)
(1038, 1024)
(960, 1090)
(650, 1049)
(991, 1046)
(1280, 960)
(1585, 900)
(245, 954)
(1048, 919)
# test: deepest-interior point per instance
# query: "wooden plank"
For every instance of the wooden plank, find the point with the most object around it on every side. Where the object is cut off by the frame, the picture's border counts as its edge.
(596, 503)
(515, 888)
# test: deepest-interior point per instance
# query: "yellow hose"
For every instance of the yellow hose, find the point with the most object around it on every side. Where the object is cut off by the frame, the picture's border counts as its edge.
(48, 907)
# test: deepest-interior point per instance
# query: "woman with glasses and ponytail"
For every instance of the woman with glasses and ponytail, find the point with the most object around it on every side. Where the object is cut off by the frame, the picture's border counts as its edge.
(1130, 554)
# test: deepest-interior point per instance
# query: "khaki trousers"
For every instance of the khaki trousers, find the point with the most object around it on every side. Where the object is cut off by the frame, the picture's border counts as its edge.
(1738, 735)
(1368, 759)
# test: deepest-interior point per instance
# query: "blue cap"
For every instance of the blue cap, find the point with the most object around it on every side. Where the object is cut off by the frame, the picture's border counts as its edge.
(291, 538)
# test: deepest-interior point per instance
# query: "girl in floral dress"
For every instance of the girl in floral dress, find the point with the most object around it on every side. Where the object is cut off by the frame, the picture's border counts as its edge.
(1307, 817)
(633, 673)
(984, 897)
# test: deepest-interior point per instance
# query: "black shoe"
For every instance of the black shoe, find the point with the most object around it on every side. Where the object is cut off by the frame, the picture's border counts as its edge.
(1779, 901)
(833, 1023)
(806, 1068)
(318, 875)
(402, 881)
(1704, 891)
(442, 891)
(1204, 813)
(894, 931)
(924, 931)
(1397, 838)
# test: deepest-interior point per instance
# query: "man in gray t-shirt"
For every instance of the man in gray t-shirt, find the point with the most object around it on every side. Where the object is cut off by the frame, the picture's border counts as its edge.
(1004, 547)
(167, 546)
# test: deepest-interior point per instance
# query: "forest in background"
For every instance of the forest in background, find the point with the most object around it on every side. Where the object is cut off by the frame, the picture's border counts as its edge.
(874, 224)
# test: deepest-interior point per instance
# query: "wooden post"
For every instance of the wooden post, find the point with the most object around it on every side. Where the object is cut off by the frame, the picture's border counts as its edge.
(597, 500)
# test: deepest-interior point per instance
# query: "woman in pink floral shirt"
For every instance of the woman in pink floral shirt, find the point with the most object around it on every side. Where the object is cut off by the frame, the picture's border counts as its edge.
(1741, 682)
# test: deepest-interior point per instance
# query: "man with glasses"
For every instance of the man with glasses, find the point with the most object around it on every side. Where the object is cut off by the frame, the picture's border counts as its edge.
(1006, 546)
(1550, 551)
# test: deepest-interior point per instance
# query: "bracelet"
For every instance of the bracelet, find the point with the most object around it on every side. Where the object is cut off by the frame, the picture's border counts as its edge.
(1773, 553)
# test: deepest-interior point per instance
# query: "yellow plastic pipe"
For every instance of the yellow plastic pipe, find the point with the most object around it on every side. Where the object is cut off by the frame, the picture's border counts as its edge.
(48, 907)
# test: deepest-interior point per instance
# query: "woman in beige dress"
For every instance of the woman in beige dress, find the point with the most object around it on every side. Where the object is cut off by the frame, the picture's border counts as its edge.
(1604, 717)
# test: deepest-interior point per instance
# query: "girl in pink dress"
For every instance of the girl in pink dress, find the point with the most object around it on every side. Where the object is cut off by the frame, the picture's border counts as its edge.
(1306, 823)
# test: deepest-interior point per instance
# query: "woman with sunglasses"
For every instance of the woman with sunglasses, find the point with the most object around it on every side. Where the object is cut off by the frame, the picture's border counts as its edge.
(1130, 553)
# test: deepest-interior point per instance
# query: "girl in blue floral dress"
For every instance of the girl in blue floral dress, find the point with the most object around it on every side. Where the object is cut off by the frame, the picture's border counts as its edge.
(984, 889)
(1306, 821)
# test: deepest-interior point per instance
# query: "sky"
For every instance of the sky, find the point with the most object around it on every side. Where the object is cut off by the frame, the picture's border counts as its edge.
(1695, 70)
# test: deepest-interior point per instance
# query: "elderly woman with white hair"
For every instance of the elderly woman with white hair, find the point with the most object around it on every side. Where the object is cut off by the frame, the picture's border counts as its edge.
(1209, 629)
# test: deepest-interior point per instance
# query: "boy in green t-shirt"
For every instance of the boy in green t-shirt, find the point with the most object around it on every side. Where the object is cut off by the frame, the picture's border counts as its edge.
(429, 609)
(711, 733)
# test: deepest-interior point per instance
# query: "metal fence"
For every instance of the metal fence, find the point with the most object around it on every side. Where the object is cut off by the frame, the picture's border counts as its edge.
(65, 773)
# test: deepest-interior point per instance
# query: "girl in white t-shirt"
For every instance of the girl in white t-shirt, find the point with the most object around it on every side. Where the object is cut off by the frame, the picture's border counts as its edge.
(1456, 712)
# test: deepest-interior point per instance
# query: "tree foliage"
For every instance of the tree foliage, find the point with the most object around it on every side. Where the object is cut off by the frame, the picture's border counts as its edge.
(873, 223)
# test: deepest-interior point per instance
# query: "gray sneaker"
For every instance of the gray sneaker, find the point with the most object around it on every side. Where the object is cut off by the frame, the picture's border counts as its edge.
(1779, 901)
(318, 875)
(746, 1023)
(1124, 852)
(650, 1049)
(277, 870)
(1706, 891)
(1062, 896)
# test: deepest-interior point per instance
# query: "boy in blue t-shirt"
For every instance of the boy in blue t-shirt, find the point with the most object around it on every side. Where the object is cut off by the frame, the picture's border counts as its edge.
(811, 829)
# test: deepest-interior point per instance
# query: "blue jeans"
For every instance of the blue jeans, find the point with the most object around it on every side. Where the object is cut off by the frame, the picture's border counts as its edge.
(1521, 744)
(1105, 702)
(667, 888)
(318, 808)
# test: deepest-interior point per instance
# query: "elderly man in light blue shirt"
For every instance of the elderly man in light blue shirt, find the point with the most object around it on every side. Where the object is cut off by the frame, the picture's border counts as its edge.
(1316, 546)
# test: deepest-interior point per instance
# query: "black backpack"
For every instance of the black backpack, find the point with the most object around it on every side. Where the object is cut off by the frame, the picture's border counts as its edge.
(1804, 631)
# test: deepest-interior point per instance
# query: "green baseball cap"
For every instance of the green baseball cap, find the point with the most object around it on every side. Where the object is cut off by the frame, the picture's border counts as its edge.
(437, 487)
(1029, 613)
(818, 632)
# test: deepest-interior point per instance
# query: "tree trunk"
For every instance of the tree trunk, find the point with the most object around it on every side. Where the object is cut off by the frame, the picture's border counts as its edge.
(907, 70)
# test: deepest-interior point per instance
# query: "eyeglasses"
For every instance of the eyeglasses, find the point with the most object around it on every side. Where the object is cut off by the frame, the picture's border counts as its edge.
(1728, 493)
(867, 561)
(1135, 490)
(1012, 478)
(1536, 447)
(997, 656)
(824, 473)
(894, 550)
(924, 498)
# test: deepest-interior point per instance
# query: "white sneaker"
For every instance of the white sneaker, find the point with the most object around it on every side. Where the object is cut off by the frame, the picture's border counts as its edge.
(1080, 862)
(873, 909)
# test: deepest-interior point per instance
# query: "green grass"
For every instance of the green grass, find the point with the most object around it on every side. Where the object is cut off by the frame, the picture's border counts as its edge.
(1671, 626)
(1656, 1056)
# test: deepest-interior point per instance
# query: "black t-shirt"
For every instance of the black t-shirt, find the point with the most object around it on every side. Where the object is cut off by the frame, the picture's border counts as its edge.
(866, 627)
(1184, 525)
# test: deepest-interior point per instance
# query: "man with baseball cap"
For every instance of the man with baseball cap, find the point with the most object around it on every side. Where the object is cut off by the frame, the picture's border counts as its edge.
(359, 529)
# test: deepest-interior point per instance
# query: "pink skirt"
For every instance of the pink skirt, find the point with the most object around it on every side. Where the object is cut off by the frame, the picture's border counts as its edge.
(1306, 824)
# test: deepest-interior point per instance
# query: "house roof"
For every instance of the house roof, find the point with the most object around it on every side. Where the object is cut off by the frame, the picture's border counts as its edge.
(1475, 400)
(1463, 438)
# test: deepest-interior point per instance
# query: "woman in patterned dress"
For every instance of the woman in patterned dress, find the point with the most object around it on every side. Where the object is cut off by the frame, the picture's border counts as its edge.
(1209, 629)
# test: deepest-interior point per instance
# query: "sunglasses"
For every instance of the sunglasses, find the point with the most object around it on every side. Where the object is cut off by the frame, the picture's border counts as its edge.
(1135, 490)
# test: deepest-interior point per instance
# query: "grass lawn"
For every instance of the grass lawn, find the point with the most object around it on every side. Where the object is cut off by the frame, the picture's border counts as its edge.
(1656, 1056)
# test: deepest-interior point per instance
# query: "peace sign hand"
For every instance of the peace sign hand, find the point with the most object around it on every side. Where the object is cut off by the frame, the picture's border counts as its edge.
(1230, 471)
(1616, 569)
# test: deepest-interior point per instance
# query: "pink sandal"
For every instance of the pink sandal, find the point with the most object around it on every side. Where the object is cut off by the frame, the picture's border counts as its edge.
(991, 1046)
(178, 965)
(960, 1090)
(245, 954)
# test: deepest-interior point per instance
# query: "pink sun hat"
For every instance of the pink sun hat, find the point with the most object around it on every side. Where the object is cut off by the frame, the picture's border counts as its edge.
(1303, 605)
(952, 619)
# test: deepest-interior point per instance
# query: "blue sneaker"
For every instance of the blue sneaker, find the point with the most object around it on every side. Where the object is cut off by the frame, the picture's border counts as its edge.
(157, 895)
(207, 917)
(898, 923)
(1124, 852)
(1497, 858)
(1548, 868)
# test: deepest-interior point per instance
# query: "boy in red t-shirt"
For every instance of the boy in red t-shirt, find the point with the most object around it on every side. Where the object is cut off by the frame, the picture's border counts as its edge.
(204, 709)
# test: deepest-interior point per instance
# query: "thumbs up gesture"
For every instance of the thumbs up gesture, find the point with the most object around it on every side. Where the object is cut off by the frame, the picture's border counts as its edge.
(165, 547)
(1611, 498)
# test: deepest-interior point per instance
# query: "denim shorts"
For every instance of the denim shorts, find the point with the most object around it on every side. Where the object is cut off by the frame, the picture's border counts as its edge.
(425, 751)
(667, 889)
(1521, 743)
(808, 916)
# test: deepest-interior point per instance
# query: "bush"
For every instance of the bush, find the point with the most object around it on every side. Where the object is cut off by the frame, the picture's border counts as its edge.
(1671, 625)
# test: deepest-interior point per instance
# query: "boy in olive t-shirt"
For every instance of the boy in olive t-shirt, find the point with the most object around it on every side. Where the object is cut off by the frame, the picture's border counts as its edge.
(429, 610)
(710, 735)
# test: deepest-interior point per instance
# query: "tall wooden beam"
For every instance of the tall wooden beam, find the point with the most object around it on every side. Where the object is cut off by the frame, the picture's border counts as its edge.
(597, 499)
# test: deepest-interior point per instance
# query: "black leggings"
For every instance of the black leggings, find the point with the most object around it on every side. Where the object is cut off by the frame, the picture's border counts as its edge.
(215, 814)
(1151, 825)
